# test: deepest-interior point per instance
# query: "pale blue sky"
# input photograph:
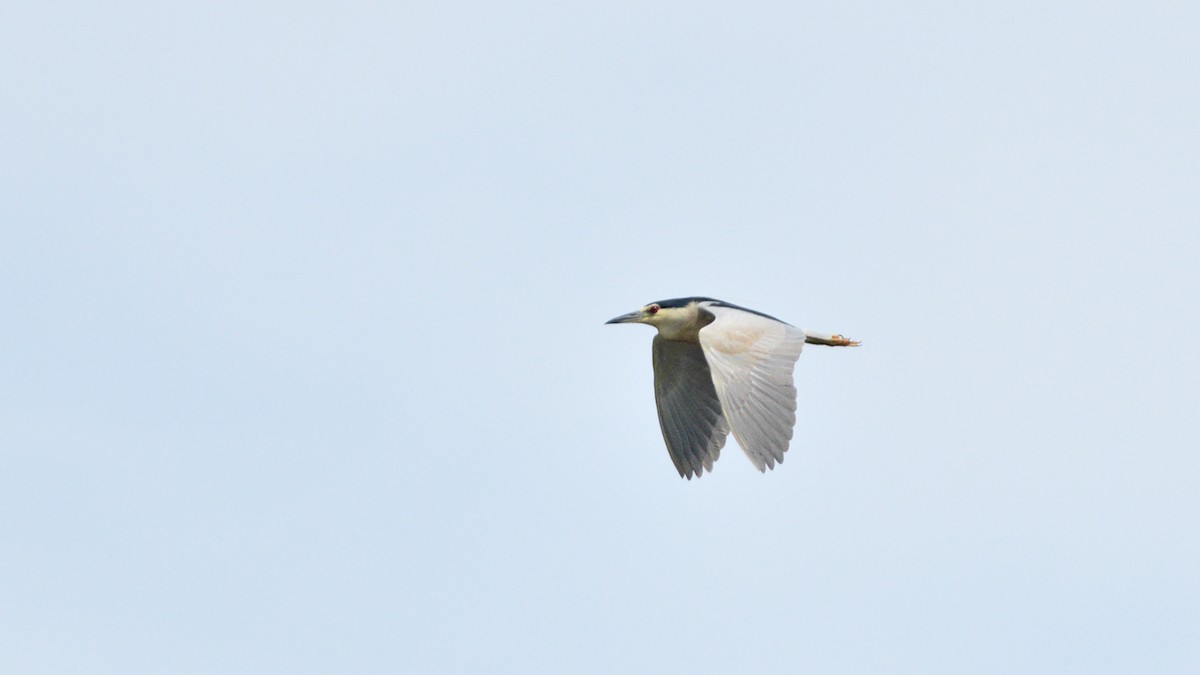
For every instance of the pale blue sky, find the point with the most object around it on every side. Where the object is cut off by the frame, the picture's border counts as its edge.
(304, 370)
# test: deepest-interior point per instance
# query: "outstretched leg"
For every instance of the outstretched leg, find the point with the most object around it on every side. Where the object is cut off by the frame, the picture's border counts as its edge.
(829, 340)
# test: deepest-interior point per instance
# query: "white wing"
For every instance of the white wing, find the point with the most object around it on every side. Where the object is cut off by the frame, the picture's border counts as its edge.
(752, 358)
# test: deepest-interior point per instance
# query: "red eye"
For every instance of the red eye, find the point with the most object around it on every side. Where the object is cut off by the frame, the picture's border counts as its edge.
(653, 309)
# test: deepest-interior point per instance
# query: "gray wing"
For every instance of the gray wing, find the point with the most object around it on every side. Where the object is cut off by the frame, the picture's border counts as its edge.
(688, 408)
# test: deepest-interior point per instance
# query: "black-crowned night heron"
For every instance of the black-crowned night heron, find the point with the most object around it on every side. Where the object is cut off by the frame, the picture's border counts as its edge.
(720, 368)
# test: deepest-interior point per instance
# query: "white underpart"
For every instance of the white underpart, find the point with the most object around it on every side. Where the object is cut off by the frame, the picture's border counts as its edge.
(752, 359)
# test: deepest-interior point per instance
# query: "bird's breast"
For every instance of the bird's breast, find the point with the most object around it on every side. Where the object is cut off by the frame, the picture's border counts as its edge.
(680, 333)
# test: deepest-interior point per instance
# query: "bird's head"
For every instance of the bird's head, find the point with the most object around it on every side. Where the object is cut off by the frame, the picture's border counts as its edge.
(674, 319)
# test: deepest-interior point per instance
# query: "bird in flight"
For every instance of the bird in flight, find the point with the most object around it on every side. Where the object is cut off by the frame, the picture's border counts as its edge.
(719, 368)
